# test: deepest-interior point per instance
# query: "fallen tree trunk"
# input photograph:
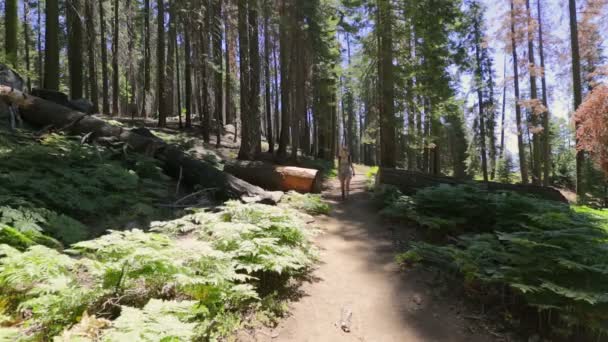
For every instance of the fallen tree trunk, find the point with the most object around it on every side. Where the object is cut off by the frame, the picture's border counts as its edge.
(42, 113)
(273, 177)
(409, 182)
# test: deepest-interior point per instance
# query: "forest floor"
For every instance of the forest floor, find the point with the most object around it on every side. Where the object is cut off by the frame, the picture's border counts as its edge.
(357, 273)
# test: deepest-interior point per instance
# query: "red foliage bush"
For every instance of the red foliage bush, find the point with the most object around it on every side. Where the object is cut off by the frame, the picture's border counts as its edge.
(592, 126)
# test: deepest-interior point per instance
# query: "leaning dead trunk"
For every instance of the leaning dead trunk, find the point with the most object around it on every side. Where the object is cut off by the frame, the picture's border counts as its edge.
(42, 113)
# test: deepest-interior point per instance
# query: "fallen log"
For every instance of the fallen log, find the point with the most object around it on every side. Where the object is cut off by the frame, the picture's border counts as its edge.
(274, 177)
(43, 113)
(409, 182)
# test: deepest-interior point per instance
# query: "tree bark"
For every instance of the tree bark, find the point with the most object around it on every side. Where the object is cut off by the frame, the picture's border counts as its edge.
(276, 178)
(545, 138)
(480, 100)
(115, 67)
(268, 105)
(26, 40)
(105, 92)
(146, 91)
(91, 39)
(188, 74)
(536, 148)
(74, 10)
(217, 60)
(160, 65)
(11, 25)
(284, 68)
(578, 92)
(170, 65)
(387, 106)
(523, 167)
(51, 48)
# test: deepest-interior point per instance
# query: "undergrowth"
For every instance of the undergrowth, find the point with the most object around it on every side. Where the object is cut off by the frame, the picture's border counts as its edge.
(311, 204)
(72, 191)
(189, 279)
(515, 249)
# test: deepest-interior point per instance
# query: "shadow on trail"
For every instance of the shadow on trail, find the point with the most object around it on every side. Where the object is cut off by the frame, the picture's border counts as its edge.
(413, 293)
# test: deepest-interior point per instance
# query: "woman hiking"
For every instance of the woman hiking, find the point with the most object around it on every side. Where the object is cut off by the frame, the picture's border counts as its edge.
(346, 171)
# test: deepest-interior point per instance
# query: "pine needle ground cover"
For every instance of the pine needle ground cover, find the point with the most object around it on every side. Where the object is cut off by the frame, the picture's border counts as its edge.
(539, 261)
(190, 279)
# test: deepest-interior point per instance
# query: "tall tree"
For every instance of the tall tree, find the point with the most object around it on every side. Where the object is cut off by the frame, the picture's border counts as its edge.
(268, 105)
(479, 77)
(115, 66)
(11, 20)
(545, 137)
(74, 11)
(147, 58)
(230, 36)
(39, 44)
(188, 72)
(577, 87)
(386, 103)
(523, 166)
(217, 60)
(51, 50)
(284, 29)
(160, 64)
(105, 86)
(534, 104)
(91, 39)
(170, 65)
(250, 73)
(26, 41)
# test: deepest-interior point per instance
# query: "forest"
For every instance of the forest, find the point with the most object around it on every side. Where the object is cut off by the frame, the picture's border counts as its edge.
(169, 169)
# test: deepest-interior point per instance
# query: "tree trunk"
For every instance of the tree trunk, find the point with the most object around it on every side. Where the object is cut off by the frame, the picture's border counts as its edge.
(74, 10)
(504, 109)
(546, 138)
(160, 65)
(188, 73)
(11, 25)
(536, 146)
(39, 43)
(26, 40)
(205, 36)
(387, 106)
(115, 67)
(230, 60)
(578, 92)
(176, 163)
(147, 87)
(523, 167)
(250, 80)
(284, 68)
(91, 38)
(217, 60)
(480, 100)
(105, 92)
(268, 105)
(276, 178)
(170, 65)
(177, 74)
(51, 46)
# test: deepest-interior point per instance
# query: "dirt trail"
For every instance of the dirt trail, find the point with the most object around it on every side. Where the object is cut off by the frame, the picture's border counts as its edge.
(358, 271)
